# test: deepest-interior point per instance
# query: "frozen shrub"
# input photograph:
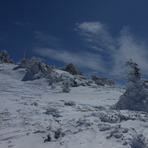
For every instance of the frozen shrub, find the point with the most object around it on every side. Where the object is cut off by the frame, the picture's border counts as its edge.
(51, 111)
(72, 69)
(138, 141)
(59, 134)
(53, 86)
(70, 103)
(73, 80)
(48, 137)
(136, 94)
(4, 57)
(36, 69)
(65, 86)
(61, 78)
(24, 63)
(55, 77)
(102, 81)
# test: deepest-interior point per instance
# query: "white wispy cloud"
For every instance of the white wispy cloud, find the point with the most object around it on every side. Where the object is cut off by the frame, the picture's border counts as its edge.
(91, 27)
(118, 49)
(17, 23)
(52, 47)
(96, 33)
(129, 47)
(107, 55)
(80, 59)
(47, 39)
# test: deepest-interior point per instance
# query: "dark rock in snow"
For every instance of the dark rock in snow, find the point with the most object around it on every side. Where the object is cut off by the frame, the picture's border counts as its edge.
(70, 103)
(58, 134)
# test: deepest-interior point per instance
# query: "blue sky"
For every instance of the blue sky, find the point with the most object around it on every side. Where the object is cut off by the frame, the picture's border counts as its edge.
(97, 36)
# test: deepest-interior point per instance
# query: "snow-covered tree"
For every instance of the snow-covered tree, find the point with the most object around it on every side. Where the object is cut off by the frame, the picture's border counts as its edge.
(36, 68)
(73, 80)
(53, 86)
(133, 75)
(66, 85)
(72, 69)
(24, 63)
(102, 81)
(136, 94)
(4, 57)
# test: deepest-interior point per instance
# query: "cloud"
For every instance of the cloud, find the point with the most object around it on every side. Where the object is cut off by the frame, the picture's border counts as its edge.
(117, 49)
(129, 47)
(52, 47)
(20, 23)
(96, 48)
(91, 27)
(95, 33)
(106, 54)
(47, 39)
(80, 59)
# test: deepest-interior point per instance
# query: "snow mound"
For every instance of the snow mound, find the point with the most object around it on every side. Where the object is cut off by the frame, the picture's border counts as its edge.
(9, 71)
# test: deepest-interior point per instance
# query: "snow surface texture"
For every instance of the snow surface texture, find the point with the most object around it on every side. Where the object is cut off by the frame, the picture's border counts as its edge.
(36, 114)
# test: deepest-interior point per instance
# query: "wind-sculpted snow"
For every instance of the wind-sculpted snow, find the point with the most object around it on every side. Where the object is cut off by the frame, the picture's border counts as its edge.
(32, 114)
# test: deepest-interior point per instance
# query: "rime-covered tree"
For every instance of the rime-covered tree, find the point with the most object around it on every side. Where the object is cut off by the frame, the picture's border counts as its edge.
(72, 69)
(133, 72)
(102, 81)
(4, 57)
(36, 69)
(66, 85)
(24, 63)
(136, 94)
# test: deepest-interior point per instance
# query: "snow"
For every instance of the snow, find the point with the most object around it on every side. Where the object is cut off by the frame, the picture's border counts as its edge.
(32, 114)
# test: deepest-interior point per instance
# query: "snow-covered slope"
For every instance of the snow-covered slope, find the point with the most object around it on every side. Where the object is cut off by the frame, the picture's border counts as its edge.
(32, 114)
